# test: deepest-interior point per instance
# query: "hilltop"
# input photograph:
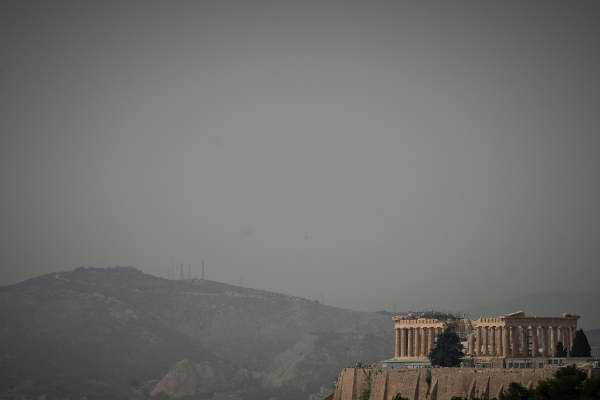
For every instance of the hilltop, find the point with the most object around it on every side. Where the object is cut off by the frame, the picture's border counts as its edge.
(116, 332)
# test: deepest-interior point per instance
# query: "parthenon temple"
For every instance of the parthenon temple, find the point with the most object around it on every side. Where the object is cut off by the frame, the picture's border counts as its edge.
(511, 336)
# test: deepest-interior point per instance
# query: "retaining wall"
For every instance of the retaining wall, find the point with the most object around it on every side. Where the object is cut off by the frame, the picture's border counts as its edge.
(444, 383)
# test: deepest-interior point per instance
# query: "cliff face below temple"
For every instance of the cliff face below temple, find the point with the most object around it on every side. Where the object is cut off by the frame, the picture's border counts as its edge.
(118, 329)
(437, 383)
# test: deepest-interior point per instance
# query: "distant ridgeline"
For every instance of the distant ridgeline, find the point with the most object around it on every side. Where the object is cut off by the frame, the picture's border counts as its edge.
(118, 332)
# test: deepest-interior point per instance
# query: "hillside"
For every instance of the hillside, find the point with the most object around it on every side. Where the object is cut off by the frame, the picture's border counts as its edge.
(117, 332)
(593, 336)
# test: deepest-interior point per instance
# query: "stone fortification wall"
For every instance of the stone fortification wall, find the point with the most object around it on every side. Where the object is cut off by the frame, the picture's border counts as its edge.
(444, 383)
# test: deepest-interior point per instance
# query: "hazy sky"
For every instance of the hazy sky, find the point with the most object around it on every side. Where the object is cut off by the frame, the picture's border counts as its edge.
(432, 154)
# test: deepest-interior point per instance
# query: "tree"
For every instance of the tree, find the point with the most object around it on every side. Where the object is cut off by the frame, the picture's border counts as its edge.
(566, 385)
(516, 391)
(448, 350)
(581, 346)
(591, 389)
(560, 350)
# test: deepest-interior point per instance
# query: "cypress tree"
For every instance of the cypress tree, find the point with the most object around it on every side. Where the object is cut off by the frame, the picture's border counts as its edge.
(448, 350)
(581, 346)
(560, 350)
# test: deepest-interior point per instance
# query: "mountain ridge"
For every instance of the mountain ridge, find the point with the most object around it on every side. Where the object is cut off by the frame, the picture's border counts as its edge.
(120, 325)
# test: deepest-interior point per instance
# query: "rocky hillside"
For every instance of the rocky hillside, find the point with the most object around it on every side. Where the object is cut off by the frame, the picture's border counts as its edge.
(593, 336)
(118, 332)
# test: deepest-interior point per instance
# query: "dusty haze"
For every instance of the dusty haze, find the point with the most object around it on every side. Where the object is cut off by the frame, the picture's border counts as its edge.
(428, 154)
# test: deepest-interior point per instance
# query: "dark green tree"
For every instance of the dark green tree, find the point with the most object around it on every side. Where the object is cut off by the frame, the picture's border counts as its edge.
(581, 346)
(516, 391)
(560, 350)
(398, 397)
(448, 350)
(567, 384)
(591, 389)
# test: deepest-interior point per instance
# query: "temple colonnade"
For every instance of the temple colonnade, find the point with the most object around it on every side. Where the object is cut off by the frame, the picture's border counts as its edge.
(513, 335)
(518, 336)
(416, 337)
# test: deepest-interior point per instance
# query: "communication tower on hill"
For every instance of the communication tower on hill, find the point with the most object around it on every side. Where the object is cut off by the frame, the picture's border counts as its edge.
(181, 275)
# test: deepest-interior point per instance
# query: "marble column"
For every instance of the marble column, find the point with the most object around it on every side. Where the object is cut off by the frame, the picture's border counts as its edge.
(560, 335)
(398, 338)
(520, 341)
(554, 340)
(514, 341)
(472, 345)
(525, 341)
(404, 349)
(500, 349)
(493, 340)
(478, 342)
(535, 347)
(506, 341)
(417, 342)
(567, 336)
(431, 337)
(486, 334)
(410, 343)
(423, 341)
(544, 341)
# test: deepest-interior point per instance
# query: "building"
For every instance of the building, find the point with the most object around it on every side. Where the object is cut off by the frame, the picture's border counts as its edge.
(511, 336)
(512, 348)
